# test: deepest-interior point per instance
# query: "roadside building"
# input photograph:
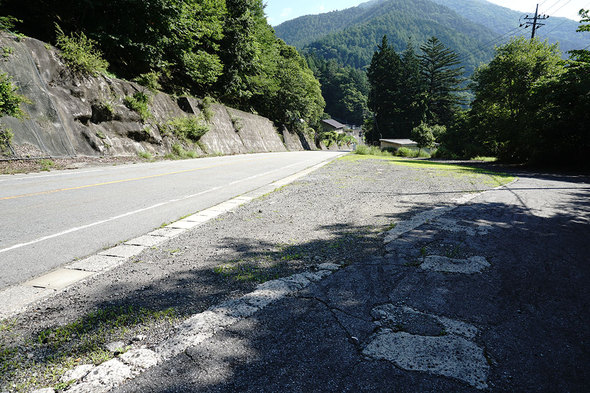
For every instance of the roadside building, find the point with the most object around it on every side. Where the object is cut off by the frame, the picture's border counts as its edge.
(332, 125)
(397, 143)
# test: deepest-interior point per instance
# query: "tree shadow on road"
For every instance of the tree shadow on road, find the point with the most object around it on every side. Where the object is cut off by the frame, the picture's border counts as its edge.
(552, 274)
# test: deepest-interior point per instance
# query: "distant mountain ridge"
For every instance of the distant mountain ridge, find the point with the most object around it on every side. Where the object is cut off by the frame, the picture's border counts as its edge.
(352, 35)
(470, 27)
(502, 20)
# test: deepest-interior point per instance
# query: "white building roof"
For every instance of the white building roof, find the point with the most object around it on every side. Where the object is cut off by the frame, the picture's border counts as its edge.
(400, 141)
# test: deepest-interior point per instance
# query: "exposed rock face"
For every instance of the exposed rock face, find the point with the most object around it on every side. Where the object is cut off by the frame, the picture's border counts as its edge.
(74, 116)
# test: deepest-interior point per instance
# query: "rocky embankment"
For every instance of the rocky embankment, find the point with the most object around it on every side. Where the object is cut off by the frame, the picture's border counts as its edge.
(73, 116)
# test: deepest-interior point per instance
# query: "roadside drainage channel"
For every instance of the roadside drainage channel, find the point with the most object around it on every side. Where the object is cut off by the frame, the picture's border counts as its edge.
(17, 298)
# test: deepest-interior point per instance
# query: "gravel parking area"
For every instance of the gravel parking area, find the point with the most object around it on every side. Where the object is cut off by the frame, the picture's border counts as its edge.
(337, 214)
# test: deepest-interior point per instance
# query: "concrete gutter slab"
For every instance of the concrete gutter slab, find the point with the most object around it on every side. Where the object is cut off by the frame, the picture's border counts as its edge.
(198, 218)
(146, 241)
(167, 232)
(123, 251)
(97, 263)
(58, 279)
(18, 297)
(183, 224)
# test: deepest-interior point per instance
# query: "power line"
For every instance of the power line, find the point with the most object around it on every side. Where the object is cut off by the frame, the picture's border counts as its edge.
(556, 26)
(553, 5)
(564, 21)
(569, 1)
(494, 41)
(486, 45)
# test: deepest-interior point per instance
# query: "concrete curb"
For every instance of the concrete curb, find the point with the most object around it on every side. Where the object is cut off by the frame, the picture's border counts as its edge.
(18, 298)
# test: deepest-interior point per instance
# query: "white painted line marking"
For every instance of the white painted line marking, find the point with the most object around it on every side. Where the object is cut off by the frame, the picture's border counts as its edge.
(100, 263)
(75, 229)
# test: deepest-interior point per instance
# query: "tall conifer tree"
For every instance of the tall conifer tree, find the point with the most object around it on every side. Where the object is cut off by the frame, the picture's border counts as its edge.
(443, 77)
(384, 96)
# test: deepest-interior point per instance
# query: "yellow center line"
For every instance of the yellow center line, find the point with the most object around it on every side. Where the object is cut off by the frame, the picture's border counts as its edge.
(123, 180)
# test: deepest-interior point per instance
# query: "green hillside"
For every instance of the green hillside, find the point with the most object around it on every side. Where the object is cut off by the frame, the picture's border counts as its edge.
(470, 27)
(351, 36)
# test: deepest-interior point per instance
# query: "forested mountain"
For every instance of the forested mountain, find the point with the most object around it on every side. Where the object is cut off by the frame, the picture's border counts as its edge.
(351, 36)
(469, 27)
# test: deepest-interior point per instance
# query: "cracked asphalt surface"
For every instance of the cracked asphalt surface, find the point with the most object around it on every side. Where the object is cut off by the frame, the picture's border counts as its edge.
(519, 324)
(490, 296)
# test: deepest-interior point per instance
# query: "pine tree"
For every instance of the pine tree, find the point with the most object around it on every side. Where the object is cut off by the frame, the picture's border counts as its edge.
(384, 96)
(412, 97)
(443, 79)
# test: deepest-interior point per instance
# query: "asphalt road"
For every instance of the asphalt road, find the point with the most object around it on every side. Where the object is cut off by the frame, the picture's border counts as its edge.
(53, 218)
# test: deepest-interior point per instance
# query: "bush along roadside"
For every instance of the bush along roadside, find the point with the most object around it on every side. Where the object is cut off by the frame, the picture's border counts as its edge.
(10, 105)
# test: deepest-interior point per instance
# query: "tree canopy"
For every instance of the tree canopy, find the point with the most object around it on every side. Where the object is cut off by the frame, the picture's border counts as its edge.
(408, 89)
(222, 48)
(530, 106)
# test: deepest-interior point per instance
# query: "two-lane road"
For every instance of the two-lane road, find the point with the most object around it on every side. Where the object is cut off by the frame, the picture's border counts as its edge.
(50, 219)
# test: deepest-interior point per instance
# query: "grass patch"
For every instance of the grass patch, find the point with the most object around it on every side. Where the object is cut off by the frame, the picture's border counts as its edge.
(139, 102)
(186, 128)
(41, 360)
(145, 155)
(364, 150)
(206, 108)
(492, 178)
(6, 136)
(411, 153)
(237, 123)
(484, 159)
(248, 272)
(46, 165)
(390, 226)
(80, 54)
(150, 80)
(10, 100)
(7, 51)
(179, 152)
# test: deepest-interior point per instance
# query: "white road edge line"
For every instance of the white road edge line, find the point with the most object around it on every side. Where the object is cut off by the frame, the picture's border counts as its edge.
(79, 228)
(19, 297)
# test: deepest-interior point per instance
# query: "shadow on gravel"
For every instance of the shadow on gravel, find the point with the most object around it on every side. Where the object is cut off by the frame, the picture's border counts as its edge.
(124, 314)
(531, 307)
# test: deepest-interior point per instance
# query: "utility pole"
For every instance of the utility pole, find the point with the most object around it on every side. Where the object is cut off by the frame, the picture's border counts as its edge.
(534, 21)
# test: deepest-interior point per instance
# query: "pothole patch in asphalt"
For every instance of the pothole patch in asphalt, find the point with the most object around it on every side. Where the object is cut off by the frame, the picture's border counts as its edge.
(417, 341)
(453, 225)
(439, 263)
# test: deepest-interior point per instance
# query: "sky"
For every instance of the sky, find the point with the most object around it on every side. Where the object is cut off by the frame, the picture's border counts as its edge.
(279, 11)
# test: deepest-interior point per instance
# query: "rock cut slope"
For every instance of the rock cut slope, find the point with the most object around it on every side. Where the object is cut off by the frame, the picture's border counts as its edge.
(70, 116)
